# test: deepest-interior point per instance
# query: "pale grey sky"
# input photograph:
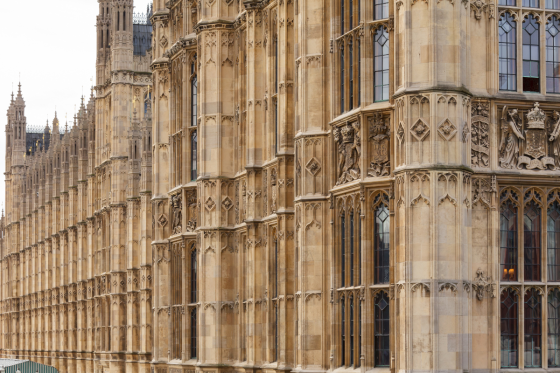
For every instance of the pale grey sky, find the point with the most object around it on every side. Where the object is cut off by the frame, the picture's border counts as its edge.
(52, 45)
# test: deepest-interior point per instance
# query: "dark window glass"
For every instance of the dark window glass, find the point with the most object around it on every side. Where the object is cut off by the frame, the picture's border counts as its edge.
(553, 55)
(342, 16)
(352, 249)
(194, 160)
(530, 3)
(532, 242)
(359, 334)
(554, 328)
(275, 268)
(193, 334)
(381, 245)
(381, 331)
(508, 242)
(359, 251)
(342, 251)
(276, 64)
(359, 73)
(506, 2)
(343, 334)
(533, 329)
(507, 53)
(194, 97)
(351, 363)
(553, 242)
(342, 81)
(276, 126)
(351, 78)
(193, 277)
(508, 328)
(552, 4)
(531, 55)
(381, 9)
(381, 64)
(351, 14)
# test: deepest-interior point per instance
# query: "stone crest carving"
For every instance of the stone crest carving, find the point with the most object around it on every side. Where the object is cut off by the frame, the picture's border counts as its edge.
(525, 143)
(177, 206)
(483, 285)
(480, 143)
(379, 136)
(349, 146)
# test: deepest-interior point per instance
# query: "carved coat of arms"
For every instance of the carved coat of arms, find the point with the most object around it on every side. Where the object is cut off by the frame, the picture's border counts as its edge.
(348, 140)
(525, 145)
(379, 136)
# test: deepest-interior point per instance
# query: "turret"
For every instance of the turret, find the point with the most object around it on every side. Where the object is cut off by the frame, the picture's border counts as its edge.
(18, 125)
(103, 39)
(122, 47)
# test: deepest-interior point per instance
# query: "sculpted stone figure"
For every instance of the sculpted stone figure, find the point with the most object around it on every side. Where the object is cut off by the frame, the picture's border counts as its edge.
(511, 134)
(349, 151)
(176, 202)
(555, 138)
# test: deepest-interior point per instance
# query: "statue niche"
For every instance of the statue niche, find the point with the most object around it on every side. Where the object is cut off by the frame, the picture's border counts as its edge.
(349, 152)
(525, 143)
(177, 205)
(379, 136)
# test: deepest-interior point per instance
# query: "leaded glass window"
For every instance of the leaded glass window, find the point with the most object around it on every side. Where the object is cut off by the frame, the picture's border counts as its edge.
(531, 54)
(553, 55)
(533, 329)
(194, 95)
(509, 329)
(381, 245)
(532, 242)
(507, 53)
(382, 354)
(381, 9)
(342, 250)
(194, 160)
(193, 334)
(554, 328)
(381, 64)
(553, 242)
(508, 242)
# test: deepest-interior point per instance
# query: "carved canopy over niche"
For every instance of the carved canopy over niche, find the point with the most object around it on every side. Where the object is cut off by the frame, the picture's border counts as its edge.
(349, 150)
(529, 139)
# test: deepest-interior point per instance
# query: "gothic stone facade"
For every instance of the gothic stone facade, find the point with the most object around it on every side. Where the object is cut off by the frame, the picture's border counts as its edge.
(309, 185)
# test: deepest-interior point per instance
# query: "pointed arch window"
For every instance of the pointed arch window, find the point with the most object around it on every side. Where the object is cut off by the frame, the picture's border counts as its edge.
(533, 329)
(507, 52)
(508, 242)
(553, 54)
(381, 64)
(194, 160)
(343, 332)
(532, 242)
(554, 328)
(553, 242)
(531, 53)
(342, 79)
(509, 329)
(382, 353)
(381, 244)
(342, 250)
(193, 334)
(352, 258)
(194, 94)
(193, 275)
(351, 362)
